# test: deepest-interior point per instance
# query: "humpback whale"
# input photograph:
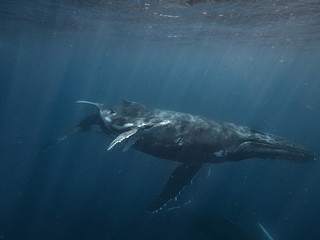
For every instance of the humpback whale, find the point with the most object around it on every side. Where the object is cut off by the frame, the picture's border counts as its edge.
(189, 139)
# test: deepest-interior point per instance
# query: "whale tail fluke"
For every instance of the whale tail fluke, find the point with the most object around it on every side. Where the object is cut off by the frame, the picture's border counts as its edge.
(263, 145)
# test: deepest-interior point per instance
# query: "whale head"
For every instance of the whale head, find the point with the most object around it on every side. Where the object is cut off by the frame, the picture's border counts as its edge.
(128, 121)
(127, 116)
(107, 115)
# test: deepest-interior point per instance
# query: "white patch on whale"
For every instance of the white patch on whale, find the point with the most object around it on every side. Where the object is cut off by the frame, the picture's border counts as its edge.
(220, 153)
(179, 141)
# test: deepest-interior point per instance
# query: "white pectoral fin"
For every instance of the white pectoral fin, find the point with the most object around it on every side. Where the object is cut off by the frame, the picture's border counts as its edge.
(122, 137)
(98, 105)
(133, 135)
(87, 102)
(131, 141)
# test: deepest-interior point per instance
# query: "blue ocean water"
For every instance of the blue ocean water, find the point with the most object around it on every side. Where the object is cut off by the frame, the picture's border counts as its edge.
(253, 63)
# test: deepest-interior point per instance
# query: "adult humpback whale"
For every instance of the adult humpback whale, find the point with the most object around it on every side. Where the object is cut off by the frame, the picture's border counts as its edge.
(189, 139)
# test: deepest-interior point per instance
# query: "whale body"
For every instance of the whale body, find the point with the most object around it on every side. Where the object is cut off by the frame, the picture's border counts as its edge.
(186, 138)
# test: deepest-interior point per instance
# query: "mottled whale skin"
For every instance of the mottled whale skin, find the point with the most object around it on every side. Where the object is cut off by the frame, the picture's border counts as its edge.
(186, 138)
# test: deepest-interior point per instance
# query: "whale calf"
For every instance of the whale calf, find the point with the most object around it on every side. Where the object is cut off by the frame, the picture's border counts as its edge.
(189, 139)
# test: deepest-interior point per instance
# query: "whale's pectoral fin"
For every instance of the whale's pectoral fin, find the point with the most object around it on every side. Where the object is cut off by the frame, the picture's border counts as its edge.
(131, 141)
(180, 177)
(98, 105)
(122, 137)
(134, 134)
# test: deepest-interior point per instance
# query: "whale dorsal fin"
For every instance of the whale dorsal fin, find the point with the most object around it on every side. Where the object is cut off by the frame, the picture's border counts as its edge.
(127, 103)
(133, 106)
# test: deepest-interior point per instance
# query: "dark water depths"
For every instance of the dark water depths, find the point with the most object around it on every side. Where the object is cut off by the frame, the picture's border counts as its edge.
(254, 63)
